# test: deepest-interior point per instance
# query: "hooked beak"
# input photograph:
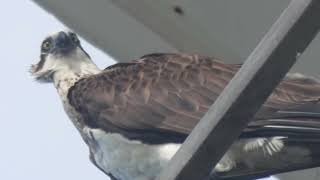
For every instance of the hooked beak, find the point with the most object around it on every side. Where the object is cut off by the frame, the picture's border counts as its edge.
(63, 44)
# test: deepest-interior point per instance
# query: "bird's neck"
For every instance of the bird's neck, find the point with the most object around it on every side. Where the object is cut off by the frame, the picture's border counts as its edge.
(66, 78)
(63, 81)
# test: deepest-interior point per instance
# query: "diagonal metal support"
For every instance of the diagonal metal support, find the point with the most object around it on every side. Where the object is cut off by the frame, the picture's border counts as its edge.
(247, 91)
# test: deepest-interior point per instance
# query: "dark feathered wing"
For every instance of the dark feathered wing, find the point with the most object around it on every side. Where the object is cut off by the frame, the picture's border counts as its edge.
(163, 96)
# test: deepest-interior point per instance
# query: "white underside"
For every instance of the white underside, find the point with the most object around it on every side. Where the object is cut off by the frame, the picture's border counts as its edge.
(132, 160)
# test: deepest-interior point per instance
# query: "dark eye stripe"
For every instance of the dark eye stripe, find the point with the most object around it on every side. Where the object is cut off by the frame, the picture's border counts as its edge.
(74, 37)
(72, 34)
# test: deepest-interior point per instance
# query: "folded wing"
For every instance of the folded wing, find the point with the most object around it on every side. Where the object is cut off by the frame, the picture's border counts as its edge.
(165, 95)
(161, 97)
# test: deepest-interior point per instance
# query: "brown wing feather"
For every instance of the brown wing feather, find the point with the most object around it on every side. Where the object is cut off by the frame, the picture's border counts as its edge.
(169, 93)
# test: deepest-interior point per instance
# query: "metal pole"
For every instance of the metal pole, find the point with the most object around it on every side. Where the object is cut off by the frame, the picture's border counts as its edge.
(246, 92)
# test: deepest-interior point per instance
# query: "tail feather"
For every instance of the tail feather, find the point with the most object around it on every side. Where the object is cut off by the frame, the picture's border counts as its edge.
(299, 129)
(307, 128)
(298, 154)
(300, 121)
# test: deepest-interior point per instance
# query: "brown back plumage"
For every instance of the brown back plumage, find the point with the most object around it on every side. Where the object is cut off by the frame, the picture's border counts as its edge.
(166, 95)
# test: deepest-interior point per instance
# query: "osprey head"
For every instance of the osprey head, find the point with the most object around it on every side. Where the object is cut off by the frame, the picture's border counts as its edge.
(60, 52)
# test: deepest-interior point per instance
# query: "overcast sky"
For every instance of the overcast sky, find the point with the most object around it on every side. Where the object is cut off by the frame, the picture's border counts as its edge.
(37, 139)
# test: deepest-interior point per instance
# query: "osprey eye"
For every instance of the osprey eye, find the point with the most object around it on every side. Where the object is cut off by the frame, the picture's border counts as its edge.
(74, 38)
(46, 46)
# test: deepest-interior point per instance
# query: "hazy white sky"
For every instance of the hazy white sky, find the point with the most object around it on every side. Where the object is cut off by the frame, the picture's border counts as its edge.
(37, 139)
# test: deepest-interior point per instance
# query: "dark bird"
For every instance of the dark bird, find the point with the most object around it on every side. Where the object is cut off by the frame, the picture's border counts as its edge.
(134, 116)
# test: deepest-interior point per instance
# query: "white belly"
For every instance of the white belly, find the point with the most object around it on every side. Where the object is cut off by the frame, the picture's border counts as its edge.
(130, 160)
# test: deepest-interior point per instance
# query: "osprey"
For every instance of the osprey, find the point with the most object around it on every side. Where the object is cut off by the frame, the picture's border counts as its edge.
(134, 116)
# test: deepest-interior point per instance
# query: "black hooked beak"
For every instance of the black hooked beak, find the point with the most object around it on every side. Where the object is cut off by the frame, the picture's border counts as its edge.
(63, 43)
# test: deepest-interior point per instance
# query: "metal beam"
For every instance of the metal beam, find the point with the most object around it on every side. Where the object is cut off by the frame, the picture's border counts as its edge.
(247, 91)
